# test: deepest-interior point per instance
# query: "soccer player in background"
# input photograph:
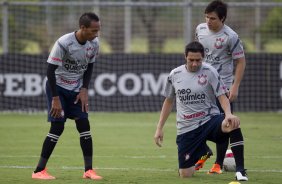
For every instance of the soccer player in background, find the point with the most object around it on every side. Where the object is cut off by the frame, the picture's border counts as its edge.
(70, 66)
(195, 86)
(222, 47)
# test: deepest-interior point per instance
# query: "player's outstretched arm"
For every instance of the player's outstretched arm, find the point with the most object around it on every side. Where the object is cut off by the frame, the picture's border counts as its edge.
(166, 109)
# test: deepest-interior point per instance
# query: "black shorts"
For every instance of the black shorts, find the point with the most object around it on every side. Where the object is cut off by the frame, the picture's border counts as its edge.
(192, 145)
(67, 99)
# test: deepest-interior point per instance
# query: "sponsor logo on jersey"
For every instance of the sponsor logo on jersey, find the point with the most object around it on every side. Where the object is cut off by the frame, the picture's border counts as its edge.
(75, 66)
(210, 58)
(56, 59)
(68, 81)
(195, 115)
(238, 53)
(187, 97)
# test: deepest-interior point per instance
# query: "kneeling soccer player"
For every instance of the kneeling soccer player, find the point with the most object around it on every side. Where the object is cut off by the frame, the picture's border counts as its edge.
(195, 86)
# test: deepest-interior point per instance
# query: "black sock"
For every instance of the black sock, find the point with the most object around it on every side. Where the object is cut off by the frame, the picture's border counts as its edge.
(87, 163)
(49, 144)
(87, 150)
(41, 164)
(47, 149)
(86, 144)
(220, 152)
(237, 147)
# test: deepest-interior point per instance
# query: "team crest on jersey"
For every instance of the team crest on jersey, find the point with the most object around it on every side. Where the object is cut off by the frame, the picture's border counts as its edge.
(219, 43)
(90, 52)
(202, 79)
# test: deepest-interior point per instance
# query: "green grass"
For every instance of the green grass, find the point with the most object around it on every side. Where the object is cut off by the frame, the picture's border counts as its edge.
(125, 153)
(273, 46)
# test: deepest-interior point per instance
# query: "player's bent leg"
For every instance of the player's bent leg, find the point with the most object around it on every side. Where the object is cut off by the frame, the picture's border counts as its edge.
(221, 148)
(52, 138)
(49, 144)
(222, 140)
(86, 144)
(200, 163)
(187, 172)
(237, 147)
(83, 127)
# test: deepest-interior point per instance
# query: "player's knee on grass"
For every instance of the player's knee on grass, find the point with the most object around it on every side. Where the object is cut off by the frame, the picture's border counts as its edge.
(186, 173)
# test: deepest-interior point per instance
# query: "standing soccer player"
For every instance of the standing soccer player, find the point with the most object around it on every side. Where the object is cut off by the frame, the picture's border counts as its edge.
(222, 47)
(196, 85)
(70, 66)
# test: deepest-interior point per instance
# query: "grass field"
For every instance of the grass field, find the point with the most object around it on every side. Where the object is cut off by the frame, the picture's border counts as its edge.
(125, 153)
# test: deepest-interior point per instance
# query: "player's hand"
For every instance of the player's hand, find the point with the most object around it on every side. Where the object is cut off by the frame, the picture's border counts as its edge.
(233, 121)
(159, 135)
(83, 98)
(233, 93)
(56, 109)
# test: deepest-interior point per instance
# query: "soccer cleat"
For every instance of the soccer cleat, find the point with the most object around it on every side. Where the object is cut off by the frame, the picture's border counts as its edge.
(215, 169)
(91, 174)
(241, 176)
(42, 175)
(202, 160)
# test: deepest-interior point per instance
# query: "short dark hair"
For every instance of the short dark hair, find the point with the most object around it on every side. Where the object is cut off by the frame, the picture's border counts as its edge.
(86, 19)
(195, 47)
(219, 7)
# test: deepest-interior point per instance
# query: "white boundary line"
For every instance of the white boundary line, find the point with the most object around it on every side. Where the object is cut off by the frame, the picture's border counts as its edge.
(128, 156)
(95, 156)
(128, 169)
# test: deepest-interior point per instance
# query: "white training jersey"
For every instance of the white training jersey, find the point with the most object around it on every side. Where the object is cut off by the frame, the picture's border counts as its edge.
(72, 59)
(195, 94)
(221, 49)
